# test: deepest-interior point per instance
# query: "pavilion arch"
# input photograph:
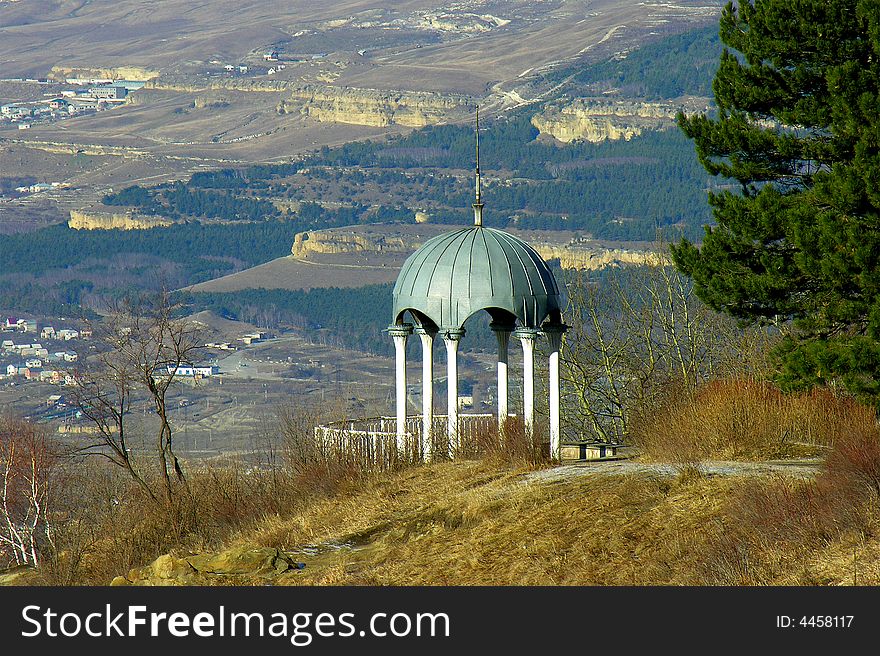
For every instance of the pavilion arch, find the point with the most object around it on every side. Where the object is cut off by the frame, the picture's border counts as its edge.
(454, 276)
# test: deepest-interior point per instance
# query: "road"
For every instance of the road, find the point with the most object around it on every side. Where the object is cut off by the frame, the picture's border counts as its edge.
(567, 472)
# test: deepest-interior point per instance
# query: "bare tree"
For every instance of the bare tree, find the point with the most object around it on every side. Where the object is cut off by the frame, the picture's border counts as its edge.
(143, 348)
(28, 463)
(634, 333)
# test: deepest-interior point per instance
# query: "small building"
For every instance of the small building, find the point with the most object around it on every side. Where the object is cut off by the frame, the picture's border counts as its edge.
(67, 334)
(51, 376)
(8, 345)
(15, 111)
(588, 451)
(33, 362)
(130, 85)
(58, 103)
(193, 371)
(229, 67)
(81, 105)
(108, 92)
(48, 332)
(271, 56)
(12, 370)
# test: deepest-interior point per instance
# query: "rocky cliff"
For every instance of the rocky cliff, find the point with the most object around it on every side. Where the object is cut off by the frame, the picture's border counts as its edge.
(324, 242)
(117, 73)
(69, 148)
(576, 254)
(192, 84)
(600, 119)
(96, 220)
(374, 107)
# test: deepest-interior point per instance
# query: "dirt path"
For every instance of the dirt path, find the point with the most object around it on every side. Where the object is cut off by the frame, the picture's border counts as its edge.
(795, 468)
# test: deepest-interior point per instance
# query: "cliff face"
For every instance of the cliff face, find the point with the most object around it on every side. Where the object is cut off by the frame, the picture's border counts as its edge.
(85, 149)
(118, 73)
(599, 119)
(584, 257)
(95, 220)
(191, 84)
(581, 255)
(326, 242)
(373, 107)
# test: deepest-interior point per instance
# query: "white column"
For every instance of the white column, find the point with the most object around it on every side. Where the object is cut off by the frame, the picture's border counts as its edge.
(427, 338)
(554, 334)
(451, 339)
(527, 337)
(502, 334)
(399, 333)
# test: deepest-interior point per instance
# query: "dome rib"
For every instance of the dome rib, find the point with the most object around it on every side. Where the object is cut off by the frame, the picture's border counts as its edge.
(456, 274)
(445, 246)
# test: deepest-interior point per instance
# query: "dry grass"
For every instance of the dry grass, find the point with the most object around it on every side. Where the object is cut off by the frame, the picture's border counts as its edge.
(487, 522)
(475, 523)
(468, 524)
(747, 420)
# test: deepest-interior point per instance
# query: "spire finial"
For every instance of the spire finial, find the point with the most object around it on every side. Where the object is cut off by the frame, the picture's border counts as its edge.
(478, 203)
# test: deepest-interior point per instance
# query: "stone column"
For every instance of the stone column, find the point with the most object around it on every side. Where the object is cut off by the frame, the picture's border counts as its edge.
(502, 334)
(527, 337)
(399, 332)
(554, 334)
(451, 339)
(427, 337)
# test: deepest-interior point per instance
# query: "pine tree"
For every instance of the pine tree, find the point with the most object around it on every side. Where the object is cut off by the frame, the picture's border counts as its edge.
(797, 234)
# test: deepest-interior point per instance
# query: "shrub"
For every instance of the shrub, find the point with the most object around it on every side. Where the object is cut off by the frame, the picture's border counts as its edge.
(742, 418)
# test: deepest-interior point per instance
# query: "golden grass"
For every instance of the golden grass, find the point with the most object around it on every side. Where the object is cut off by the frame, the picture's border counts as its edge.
(744, 419)
(461, 524)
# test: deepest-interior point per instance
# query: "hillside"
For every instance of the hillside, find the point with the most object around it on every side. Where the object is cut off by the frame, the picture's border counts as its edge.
(228, 84)
(469, 523)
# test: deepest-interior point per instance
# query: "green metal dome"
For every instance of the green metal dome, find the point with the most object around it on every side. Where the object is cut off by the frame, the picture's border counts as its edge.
(458, 273)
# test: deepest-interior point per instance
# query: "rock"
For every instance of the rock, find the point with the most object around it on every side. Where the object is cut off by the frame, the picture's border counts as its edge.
(94, 220)
(167, 566)
(119, 581)
(601, 119)
(582, 255)
(16, 575)
(375, 107)
(61, 73)
(242, 560)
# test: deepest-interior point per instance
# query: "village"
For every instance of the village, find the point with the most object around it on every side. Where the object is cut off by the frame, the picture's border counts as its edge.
(84, 96)
(31, 355)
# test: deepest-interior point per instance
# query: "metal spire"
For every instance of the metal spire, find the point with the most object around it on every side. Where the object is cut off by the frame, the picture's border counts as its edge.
(478, 204)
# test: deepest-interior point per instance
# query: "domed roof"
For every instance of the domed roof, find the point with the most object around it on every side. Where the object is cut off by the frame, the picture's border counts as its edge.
(458, 273)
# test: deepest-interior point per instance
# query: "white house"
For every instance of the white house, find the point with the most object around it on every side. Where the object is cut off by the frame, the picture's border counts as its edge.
(33, 363)
(48, 332)
(11, 370)
(67, 334)
(193, 371)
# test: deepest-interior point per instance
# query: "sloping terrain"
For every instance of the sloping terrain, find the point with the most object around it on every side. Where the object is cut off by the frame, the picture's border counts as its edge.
(467, 523)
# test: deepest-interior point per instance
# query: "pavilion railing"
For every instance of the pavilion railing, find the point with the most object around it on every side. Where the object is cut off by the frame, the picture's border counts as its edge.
(372, 441)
